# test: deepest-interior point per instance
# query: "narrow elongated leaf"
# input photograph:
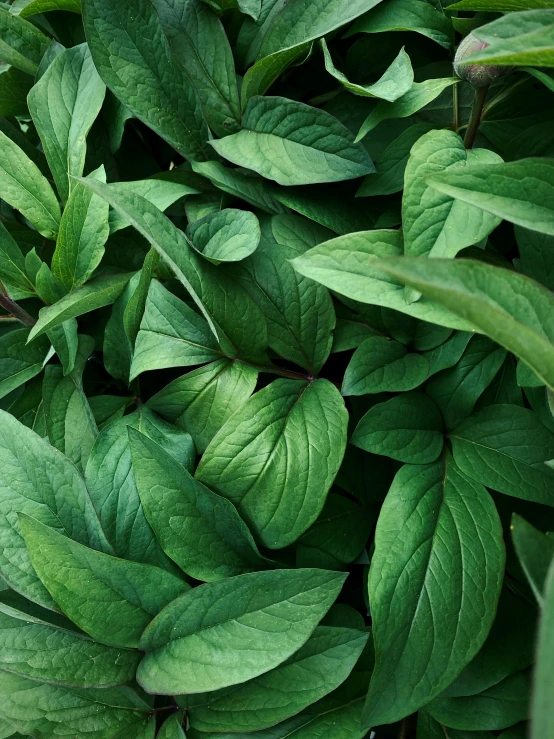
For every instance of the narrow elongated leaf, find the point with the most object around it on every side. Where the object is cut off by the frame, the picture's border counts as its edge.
(259, 78)
(111, 599)
(510, 308)
(266, 461)
(41, 651)
(201, 531)
(407, 427)
(229, 644)
(64, 104)
(227, 236)
(425, 635)
(542, 716)
(20, 361)
(21, 43)
(111, 481)
(434, 224)
(132, 55)
(535, 552)
(25, 188)
(36, 479)
(12, 264)
(521, 192)
(349, 266)
(198, 41)
(203, 400)
(277, 133)
(506, 447)
(320, 666)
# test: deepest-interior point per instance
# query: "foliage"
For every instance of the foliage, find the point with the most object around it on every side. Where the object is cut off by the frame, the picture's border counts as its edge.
(277, 369)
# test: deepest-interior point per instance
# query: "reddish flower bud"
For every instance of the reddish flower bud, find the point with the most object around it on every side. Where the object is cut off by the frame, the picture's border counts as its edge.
(477, 74)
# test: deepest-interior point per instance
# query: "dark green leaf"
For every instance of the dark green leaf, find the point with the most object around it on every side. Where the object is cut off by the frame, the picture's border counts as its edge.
(535, 552)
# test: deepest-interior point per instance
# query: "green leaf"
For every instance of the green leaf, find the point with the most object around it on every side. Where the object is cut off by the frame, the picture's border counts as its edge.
(226, 236)
(417, 97)
(46, 710)
(172, 727)
(95, 294)
(21, 43)
(20, 361)
(261, 619)
(407, 427)
(299, 313)
(542, 725)
(265, 461)
(505, 447)
(521, 192)
(535, 552)
(203, 400)
(110, 479)
(395, 81)
(14, 88)
(510, 308)
(383, 365)
(199, 530)
(320, 666)
(407, 15)
(111, 599)
(517, 39)
(215, 292)
(198, 41)
(259, 78)
(83, 232)
(64, 104)
(33, 648)
(348, 265)
(456, 390)
(65, 343)
(435, 224)
(536, 255)
(37, 480)
(69, 421)
(171, 334)
(427, 626)
(502, 6)
(502, 705)
(146, 79)
(278, 133)
(26, 189)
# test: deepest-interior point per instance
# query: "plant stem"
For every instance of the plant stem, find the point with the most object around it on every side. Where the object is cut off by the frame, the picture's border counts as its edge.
(456, 108)
(403, 729)
(476, 115)
(16, 310)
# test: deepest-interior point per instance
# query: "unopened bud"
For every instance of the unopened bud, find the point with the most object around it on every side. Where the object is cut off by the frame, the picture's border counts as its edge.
(477, 74)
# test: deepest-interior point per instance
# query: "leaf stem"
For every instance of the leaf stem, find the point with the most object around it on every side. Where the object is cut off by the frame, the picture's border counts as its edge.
(16, 310)
(476, 115)
(403, 729)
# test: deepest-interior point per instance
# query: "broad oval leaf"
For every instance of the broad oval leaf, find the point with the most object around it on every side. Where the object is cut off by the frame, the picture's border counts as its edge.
(226, 236)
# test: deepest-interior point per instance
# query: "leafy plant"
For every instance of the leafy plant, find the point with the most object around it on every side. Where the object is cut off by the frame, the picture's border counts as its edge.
(277, 369)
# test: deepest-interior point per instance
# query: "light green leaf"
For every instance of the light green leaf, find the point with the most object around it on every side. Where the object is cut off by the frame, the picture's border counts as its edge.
(395, 81)
(320, 666)
(407, 15)
(383, 365)
(226, 236)
(502, 6)
(517, 39)
(69, 421)
(434, 582)
(33, 648)
(510, 308)
(266, 461)
(36, 479)
(407, 427)
(110, 478)
(261, 619)
(199, 43)
(542, 716)
(203, 400)
(521, 192)
(278, 133)
(201, 531)
(417, 97)
(111, 599)
(535, 552)
(21, 43)
(505, 447)
(26, 189)
(147, 79)
(171, 334)
(435, 224)
(83, 232)
(95, 294)
(65, 343)
(172, 728)
(348, 265)
(34, 7)
(20, 361)
(64, 104)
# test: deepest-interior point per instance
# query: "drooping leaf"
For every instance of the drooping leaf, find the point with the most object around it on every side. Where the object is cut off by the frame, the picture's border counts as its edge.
(535, 552)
